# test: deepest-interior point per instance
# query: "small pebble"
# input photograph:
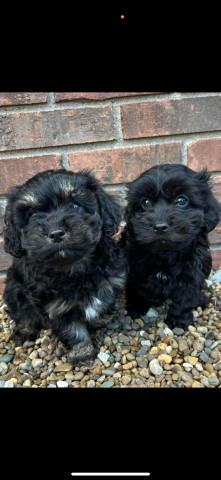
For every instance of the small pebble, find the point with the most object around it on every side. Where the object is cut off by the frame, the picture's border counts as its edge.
(62, 384)
(107, 384)
(178, 331)
(103, 357)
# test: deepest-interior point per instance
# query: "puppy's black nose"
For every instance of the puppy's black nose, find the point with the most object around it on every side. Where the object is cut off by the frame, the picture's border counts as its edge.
(56, 235)
(160, 227)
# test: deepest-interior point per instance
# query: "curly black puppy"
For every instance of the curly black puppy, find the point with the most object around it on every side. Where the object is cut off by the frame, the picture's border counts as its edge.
(69, 270)
(170, 211)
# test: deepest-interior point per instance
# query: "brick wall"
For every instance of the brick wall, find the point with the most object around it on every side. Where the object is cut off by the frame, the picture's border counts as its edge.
(116, 134)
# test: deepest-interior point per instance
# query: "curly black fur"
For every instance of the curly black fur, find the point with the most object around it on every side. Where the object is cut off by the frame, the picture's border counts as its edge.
(68, 270)
(170, 211)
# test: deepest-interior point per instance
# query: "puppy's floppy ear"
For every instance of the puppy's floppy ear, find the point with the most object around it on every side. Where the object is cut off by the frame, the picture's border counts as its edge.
(12, 243)
(212, 210)
(109, 209)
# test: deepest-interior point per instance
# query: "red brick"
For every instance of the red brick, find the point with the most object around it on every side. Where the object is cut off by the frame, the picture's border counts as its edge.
(215, 235)
(20, 98)
(171, 117)
(56, 127)
(2, 283)
(205, 153)
(74, 96)
(15, 171)
(120, 165)
(5, 258)
(216, 257)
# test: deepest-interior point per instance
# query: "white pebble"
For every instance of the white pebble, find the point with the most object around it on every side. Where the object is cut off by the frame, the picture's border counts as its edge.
(187, 366)
(202, 329)
(37, 362)
(155, 367)
(152, 313)
(62, 384)
(103, 357)
(167, 331)
(169, 349)
(145, 342)
(199, 367)
(8, 384)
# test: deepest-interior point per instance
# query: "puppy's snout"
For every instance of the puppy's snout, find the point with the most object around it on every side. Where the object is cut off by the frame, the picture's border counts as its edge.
(160, 227)
(56, 235)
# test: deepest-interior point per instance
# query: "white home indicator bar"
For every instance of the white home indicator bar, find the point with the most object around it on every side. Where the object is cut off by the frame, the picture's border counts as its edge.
(110, 474)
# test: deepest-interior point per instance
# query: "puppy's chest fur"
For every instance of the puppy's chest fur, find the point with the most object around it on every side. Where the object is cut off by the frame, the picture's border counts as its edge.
(155, 276)
(84, 296)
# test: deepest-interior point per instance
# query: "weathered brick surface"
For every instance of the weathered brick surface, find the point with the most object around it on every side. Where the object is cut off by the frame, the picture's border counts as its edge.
(2, 212)
(119, 165)
(216, 187)
(15, 171)
(56, 127)
(205, 153)
(89, 127)
(171, 117)
(20, 98)
(2, 283)
(5, 258)
(216, 256)
(74, 96)
(215, 235)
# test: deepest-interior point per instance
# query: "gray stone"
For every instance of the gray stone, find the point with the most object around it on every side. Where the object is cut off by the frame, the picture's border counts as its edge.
(213, 380)
(204, 357)
(6, 358)
(107, 384)
(108, 371)
(141, 352)
(178, 331)
(214, 345)
(26, 367)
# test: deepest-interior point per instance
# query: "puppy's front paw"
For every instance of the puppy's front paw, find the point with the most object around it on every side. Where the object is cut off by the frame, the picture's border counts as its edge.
(20, 336)
(135, 311)
(182, 322)
(96, 324)
(82, 352)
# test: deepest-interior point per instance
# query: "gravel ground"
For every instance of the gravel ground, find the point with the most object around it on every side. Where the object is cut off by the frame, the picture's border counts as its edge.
(131, 353)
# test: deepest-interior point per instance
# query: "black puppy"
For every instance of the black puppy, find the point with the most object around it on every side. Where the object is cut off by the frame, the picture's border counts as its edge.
(170, 211)
(68, 270)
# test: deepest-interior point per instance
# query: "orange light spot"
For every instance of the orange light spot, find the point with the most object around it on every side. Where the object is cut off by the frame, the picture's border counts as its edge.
(122, 16)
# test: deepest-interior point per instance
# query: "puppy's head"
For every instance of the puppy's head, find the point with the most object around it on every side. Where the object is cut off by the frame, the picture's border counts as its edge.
(168, 205)
(58, 216)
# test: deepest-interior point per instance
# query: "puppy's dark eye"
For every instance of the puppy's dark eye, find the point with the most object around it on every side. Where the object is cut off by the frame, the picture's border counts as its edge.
(181, 201)
(145, 203)
(75, 205)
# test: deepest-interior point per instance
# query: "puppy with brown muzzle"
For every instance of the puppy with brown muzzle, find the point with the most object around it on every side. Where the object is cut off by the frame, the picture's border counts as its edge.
(170, 211)
(68, 270)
